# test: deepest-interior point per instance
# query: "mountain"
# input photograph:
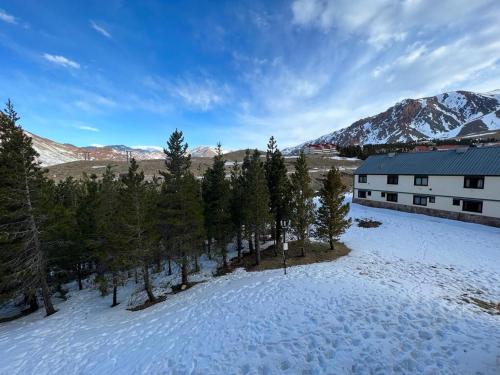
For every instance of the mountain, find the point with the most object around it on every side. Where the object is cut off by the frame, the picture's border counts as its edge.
(448, 115)
(205, 151)
(52, 153)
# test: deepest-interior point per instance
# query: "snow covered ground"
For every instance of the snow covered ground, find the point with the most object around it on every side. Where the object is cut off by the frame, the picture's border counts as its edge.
(391, 306)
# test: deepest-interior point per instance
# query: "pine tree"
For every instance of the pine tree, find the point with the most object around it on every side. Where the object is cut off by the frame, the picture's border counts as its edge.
(237, 205)
(86, 217)
(256, 203)
(138, 202)
(279, 187)
(302, 200)
(331, 221)
(61, 233)
(21, 184)
(180, 205)
(217, 210)
(114, 255)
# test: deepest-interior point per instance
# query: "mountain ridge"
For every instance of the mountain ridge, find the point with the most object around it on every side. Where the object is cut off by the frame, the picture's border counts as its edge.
(447, 115)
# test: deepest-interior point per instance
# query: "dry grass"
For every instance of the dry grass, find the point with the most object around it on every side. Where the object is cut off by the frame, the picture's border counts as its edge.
(315, 252)
(318, 167)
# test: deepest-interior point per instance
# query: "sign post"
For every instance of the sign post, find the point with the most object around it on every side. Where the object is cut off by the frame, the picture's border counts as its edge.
(284, 225)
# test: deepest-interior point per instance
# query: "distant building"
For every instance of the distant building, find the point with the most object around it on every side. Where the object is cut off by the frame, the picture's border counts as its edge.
(422, 148)
(461, 184)
(321, 148)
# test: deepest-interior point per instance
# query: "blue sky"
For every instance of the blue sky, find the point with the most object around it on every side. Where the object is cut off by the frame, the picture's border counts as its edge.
(125, 72)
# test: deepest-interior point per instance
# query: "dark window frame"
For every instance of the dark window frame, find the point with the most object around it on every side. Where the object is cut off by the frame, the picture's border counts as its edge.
(391, 178)
(362, 178)
(391, 197)
(420, 200)
(432, 199)
(456, 202)
(362, 192)
(468, 202)
(479, 182)
(421, 178)
(382, 194)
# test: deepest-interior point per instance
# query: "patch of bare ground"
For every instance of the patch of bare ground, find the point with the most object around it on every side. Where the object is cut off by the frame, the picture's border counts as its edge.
(315, 252)
(487, 306)
(147, 304)
(368, 223)
(175, 289)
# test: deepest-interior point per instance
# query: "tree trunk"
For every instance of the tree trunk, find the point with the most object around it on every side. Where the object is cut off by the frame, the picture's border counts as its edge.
(238, 243)
(147, 283)
(196, 264)
(257, 249)
(332, 246)
(115, 290)
(250, 243)
(39, 254)
(32, 301)
(79, 276)
(169, 266)
(184, 269)
(224, 257)
(209, 249)
(158, 263)
(136, 276)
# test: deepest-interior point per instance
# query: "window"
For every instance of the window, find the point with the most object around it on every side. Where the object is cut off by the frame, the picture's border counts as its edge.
(369, 193)
(456, 202)
(392, 179)
(474, 182)
(382, 194)
(419, 200)
(392, 197)
(362, 178)
(472, 206)
(421, 180)
(432, 199)
(361, 193)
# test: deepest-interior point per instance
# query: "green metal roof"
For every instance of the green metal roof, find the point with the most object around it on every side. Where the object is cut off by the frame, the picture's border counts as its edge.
(483, 161)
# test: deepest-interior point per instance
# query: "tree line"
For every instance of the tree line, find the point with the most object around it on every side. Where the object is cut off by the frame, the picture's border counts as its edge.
(120, 226)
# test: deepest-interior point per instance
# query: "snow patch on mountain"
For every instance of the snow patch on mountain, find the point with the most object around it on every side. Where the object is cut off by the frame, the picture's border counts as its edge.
(447, 115)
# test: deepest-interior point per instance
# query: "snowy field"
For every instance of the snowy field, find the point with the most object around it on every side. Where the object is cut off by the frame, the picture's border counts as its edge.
(392, 306)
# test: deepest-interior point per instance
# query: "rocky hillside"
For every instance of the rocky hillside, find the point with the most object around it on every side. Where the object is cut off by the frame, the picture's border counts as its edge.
(52, 153)
(447, 115)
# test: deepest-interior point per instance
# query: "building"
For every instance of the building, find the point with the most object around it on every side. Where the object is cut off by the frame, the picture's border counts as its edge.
(321, 148)
(461, 184)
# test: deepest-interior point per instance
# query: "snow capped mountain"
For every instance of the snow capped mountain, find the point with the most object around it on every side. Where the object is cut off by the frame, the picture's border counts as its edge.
(52, 153)
(452, 114)
(205, 151)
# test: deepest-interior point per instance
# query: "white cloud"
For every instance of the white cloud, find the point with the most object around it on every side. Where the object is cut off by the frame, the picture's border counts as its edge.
(97, 145)
(202, 94)
(6, 17)
(88, 128)
(61, 60)
(101, 30)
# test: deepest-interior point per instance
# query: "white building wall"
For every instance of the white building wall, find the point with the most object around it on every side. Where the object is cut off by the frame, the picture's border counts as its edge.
(443, 188)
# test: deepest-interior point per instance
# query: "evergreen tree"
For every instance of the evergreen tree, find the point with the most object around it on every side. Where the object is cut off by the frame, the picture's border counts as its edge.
(302, 200)
(237, 205)
(138, 202)
(279, 187)
(86, 217)
(256, 203)
(114, 255)
(216, 199)
(331, 219)
(21, 199)
(180, 205)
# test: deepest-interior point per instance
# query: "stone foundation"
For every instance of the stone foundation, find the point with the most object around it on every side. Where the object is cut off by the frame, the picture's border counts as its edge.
(462, 216)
